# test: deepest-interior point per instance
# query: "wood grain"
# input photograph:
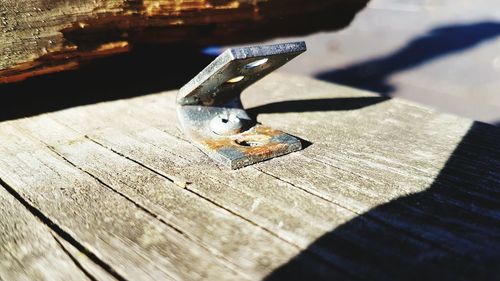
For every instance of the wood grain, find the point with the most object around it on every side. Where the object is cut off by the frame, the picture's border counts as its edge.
(171, 200)
(28, 248)
(122, 234)
(39, 37)
(386, 189)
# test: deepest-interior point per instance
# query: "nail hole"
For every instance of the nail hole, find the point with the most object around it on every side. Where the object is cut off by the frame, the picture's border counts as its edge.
(256, 63)
(235, 79)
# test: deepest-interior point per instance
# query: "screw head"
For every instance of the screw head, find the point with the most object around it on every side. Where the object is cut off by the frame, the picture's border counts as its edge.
(226, 124)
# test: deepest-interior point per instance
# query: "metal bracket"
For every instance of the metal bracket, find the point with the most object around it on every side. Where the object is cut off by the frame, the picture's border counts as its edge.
(212, 116)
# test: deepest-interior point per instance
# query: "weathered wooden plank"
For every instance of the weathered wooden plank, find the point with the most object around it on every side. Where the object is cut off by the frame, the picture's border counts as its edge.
(240, 190)
(98, 272)
(386, 188)
(39, 37)
(398, 149)
(173, 203)
(28, 249)
(121, 234)
(152, 140)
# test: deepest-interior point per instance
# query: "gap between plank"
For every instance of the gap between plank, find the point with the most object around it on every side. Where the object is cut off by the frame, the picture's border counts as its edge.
(62, 233)
(158, 217)
(312, 193)
(161, 174)
(73, 259)
(313, 254)
(169, 178)
(447, 201)
(369, 216)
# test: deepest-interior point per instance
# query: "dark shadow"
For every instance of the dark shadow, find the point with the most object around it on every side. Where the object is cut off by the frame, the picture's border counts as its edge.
(335, 104)
(145, 70)
(155, 69)
(304, 143)
(163, 67)
(373, 74)
(450, 231)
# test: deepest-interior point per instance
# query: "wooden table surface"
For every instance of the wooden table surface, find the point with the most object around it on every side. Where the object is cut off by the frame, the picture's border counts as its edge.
(385, 189)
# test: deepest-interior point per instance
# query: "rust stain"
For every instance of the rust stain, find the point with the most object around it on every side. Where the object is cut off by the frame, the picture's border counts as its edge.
(264, 150)
(258, 134)
(264, 130)
(218, 144)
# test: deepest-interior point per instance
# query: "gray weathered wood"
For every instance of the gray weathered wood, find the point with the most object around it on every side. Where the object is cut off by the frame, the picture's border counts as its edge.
(170, 200)
(28, 249)
(96, 271)
(121, 233)
(378, 194)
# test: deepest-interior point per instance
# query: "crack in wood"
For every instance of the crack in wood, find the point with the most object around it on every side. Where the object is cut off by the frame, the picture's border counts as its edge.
(160, 173)
(389, 224)
(75, 261)
(60, 232)
(318, 252)
(151, 213)
(375, 217)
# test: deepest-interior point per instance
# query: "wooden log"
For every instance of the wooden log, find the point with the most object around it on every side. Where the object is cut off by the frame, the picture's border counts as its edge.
(39, 37)
(386, 190)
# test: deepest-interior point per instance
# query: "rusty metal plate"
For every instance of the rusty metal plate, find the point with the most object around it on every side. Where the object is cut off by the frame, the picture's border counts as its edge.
(210, 111)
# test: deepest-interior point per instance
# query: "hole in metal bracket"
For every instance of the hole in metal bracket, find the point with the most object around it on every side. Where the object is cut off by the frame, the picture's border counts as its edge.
(253, 140)
(248, 143)
(235, 79)
(256, 63)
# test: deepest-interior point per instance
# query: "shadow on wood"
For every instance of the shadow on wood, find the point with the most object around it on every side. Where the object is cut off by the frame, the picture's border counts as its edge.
(373, 74)
(460, 208)
(315, 105)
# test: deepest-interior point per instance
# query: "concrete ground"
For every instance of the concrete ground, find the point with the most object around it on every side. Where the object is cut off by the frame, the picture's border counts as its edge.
(442, 53)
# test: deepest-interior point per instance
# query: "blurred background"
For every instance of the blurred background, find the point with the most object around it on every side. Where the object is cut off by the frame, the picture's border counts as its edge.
(442, 53)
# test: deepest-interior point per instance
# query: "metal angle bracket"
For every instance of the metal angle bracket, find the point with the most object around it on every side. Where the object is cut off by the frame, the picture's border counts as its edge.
(211, 114)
